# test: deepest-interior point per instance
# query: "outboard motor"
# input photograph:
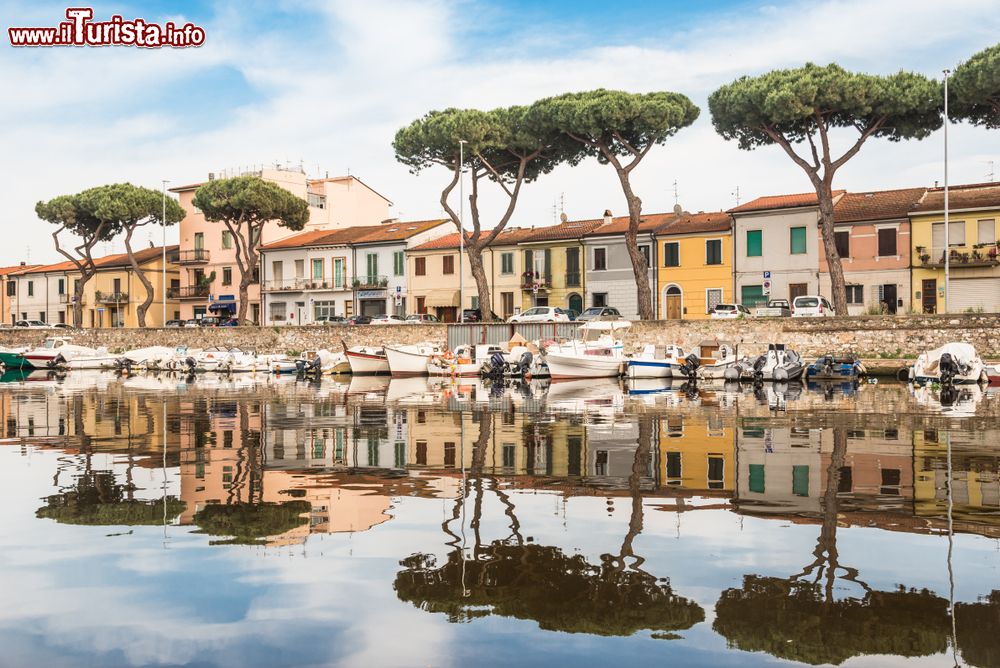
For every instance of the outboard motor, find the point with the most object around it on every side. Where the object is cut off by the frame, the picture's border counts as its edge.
(949, 368)
(758, 369)
(190, 363)
(57, 362)
(524, 364)
(309, 367)
(123, 365)
(690, 366)
(828, 365)
(494, 367)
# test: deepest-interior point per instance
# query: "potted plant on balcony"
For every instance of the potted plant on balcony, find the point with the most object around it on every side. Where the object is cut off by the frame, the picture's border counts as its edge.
(925, 258)
(383, 282)
(98, 295)
(356, 283)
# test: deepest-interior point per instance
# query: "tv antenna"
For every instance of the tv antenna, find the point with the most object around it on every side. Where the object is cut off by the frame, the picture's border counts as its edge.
(736, 194)
(990, 175)
(676, 196)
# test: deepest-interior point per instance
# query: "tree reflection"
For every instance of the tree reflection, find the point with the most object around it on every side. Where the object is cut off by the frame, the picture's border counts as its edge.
(560, 592)
(97, 499)
(250, 523)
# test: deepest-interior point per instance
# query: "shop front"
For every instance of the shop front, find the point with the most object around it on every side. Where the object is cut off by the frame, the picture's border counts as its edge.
(372, 302)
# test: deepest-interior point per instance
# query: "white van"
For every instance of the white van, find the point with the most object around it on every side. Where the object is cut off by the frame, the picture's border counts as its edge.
(812, 306)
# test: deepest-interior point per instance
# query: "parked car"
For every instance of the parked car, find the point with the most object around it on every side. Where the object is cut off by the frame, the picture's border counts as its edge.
(599, 313)
(31, 324)
(421, 319)
(472, 315)
(359, 320)
(572, 313)
(174, 323)
(210, 321)
(192, 322)
(387, 319)
(775, 308)
(330, 320)
(62, 325)
(812, 306)
(730, 312)
(541, 314)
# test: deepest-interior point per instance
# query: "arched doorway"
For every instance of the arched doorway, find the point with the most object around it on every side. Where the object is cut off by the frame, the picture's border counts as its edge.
(575, 302)
(673, 306)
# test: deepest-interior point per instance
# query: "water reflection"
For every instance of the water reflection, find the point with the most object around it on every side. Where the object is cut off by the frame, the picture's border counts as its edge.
(812, 523)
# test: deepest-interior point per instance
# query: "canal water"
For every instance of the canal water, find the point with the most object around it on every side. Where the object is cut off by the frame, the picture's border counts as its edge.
(273, 522)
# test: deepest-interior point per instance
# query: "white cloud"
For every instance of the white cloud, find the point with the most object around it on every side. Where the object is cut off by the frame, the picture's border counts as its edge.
(335, 102)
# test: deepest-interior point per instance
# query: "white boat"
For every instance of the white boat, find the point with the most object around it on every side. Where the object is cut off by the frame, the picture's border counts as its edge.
(366, 360)
(951, 364)
(143, 356)
(596, 355)
(780, 364)
(410, 360)
(654, 362)
(464, 361)
(715, 357)
(322, 361)
(59, 351)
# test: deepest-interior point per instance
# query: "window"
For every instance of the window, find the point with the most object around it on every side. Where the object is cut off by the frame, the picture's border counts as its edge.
(797, 290)
(507, 304)
(277, 270)
(372, 261)
(255, 236)
(277, 313)
(846, 483)
(600, 299)
(448, 264)
(798, 240)
(11, 289)
(855, 294)
(449, 454)
(227, 239)
(752, 295)
(673, 467)
(713, 251)
(956, 234)
(419, 266)
(227, 275)
(300, 269)
(339, 272)
(62, 286)
(987, 231)
(324, 310)
(199, 242)
(757, 478)
(506, 263)
(843, 240)
(713, 297)
(600, 260)
(41, 316)
(755, 243)
(317, 270)
(117, 286)
(671, 254)
(475, 302)
(421, 305)
(573, 267)
(31, 288)
(398, 262)
(887, 241)
(891, 480)
(645, 253)
(800, 478)
(716, 472)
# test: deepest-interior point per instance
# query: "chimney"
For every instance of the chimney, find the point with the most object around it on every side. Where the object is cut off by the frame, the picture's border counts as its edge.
(935, 183)
(563, 217)
(678, 209)
(211, 176)
(23, 263)
(607, 216)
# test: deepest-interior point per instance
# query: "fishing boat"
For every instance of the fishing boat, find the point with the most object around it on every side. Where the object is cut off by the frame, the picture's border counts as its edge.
(60, 352)
(831, 367)
(411, 359)
(993, 374)
(597, 354)
(323, 361)
(366, 360)
(654, 362)
(951, 364)
(714, 359)
(13, 358)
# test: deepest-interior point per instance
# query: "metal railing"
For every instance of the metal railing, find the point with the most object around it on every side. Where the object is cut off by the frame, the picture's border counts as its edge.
(298, 284)
(501, 332)
(573, 279)
(533, 279)
(111, 297)
(192, 292)
(369, 282)
(194, 256)
(980, 255)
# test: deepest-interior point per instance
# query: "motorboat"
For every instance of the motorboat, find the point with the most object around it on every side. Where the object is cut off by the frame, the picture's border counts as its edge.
(465, 360)
(951, 364)
(13, 358)
(714, 359)
(366, 360)
(411, 359)
(639, 385)
(60, 352)
(654, 362)
(586, 395)
(597, 354)
(323, 361)
(779, 364)
(993, 374)
(832, 367)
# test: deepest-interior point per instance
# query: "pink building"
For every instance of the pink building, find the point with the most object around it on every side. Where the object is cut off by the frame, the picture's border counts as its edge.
(209, 274)
(873, 240)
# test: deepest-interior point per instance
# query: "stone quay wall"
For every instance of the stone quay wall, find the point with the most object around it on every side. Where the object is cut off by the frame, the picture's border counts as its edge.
(869, 337)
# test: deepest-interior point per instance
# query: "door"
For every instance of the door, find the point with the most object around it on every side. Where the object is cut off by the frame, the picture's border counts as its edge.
(797, 290)
(507, 304)
(928, 295)
(889, 298)
(672, 303)
(575, 303)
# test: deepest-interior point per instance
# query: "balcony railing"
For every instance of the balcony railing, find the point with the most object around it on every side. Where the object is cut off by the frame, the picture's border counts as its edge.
(196, 256)
(111, 297)
(532, 280)
(369, 282)
(65, 298)
(300, 284)
(573, 279)
(192, 292)
(980, 255)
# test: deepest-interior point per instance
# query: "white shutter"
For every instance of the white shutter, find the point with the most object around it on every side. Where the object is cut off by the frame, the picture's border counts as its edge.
(975, 294)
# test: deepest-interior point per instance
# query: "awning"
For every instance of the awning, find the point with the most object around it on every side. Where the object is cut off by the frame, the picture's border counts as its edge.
(440, 298)
(222, 307)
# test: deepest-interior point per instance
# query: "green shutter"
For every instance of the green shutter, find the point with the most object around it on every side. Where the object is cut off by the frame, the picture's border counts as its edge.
(757, 478)
(755, 246)
(800, 480)
(529, 261)
(752, 295)
(798, 240)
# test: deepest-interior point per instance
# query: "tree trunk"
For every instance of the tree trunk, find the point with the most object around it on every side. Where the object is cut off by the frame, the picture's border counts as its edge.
(475, 255)
(140, 312)
(838, 284)
(639, 267)
(78, 295)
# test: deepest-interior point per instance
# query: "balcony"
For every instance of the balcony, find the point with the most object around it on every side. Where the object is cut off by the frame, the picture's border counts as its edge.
(111, 297)
(573, 279)
(369, 282)
(196, 256)
(302, 284)
(534, 281)
(980, 255)
(192, 292)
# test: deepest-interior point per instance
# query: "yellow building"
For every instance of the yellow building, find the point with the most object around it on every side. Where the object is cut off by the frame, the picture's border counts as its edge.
(433, 271)
(974, 267)
(697, 452)
(554, 262)
(695, 269)
(112, 297)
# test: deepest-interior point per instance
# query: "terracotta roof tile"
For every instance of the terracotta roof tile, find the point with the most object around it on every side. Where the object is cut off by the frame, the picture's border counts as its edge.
(619, 224)
(108, 261)
(47, 268)
(780, 202)
(508, 236)
(877, 205)
(571, 229)
(16, 269)
(968, 196)
(694, 223)
(314, 238)
(399, 230)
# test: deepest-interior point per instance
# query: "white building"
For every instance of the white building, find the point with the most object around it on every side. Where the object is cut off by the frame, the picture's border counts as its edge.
(42, 293)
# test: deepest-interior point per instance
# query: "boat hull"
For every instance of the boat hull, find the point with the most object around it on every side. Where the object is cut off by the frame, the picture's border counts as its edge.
(14, 361)
(367, 363)
(715, 371)
(569, 365)
(406, 363)
(466, 370)
(639, 368)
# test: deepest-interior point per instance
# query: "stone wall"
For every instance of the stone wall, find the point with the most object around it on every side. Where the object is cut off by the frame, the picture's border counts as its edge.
(871, 337)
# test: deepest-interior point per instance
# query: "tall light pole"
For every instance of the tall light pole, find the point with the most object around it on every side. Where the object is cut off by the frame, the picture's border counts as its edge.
(947, 231)
(461, 231)
(163, 286)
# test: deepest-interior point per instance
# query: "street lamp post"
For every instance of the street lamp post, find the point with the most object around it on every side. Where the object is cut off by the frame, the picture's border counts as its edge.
(461, 231)
(947, 231)
(163, 285)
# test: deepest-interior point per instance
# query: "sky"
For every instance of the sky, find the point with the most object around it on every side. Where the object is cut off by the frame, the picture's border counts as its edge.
(325, 85)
